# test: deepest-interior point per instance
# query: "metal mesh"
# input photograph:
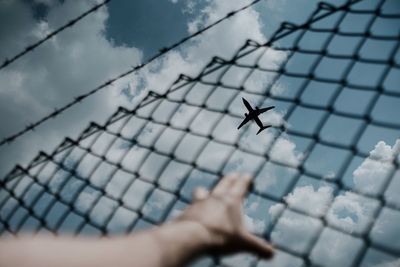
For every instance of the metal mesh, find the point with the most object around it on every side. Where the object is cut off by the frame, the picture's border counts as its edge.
(139, 168)
(80, 98)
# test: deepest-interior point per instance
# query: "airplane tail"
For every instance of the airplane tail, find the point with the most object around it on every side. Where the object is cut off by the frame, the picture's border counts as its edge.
(263, 128)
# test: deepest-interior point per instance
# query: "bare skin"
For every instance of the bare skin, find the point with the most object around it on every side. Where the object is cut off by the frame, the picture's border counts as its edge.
(212, 224)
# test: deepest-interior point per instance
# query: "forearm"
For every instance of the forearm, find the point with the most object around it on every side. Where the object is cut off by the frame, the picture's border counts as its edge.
(169, 245)
(63, 251)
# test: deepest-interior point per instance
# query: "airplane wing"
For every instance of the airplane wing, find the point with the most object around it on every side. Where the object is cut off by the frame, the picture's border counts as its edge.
(257, 120)
(262, 110)
(246, 120)
(247, 104)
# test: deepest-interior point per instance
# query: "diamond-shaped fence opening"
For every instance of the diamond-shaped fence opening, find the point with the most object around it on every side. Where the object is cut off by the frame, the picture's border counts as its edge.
(325, 184)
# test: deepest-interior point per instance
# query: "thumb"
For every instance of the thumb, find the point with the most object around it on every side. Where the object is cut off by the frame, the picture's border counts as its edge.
(254, 244)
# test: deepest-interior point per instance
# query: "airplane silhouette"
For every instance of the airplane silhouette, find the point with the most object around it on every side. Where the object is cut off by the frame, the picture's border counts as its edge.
(253, 115)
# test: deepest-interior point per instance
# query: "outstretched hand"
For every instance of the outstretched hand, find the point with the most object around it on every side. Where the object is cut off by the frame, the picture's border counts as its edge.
(219, 212)
(213, 224)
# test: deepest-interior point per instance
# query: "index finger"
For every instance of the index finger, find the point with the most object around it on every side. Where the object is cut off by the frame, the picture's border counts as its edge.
(241, 186)
(224, 185)
(254, 244)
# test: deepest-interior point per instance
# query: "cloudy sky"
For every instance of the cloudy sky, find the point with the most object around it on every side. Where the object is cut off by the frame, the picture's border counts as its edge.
(102, 45)
(126, 33)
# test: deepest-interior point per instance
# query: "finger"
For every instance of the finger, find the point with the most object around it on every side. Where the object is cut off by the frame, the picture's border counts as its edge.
(225, 184)
(200, 193)
(241, 186)
(257, 245)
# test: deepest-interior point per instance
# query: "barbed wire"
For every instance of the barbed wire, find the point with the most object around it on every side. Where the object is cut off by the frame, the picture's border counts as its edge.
(69, 24)
(80, 98)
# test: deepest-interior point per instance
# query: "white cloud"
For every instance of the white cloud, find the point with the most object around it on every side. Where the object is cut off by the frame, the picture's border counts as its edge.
(285, 152)
(347, 211)
(309, 200)
(190, 7)
(73, 62)
(222, 40)
(276, 210)
(352, 212)
(254, 225)
(372, 174)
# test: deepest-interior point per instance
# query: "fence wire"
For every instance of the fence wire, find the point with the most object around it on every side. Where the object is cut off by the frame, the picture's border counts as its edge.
(334, 82)
(80, 98)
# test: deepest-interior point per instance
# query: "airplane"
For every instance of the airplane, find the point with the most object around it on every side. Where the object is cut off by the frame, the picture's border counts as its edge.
(253, 115)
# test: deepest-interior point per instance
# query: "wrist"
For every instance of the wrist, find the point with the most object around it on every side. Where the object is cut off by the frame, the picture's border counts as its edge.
(200, 235)
(188, 239)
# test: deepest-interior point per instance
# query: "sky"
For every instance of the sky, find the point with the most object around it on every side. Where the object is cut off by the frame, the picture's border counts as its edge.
(68, 65)
(127, 33)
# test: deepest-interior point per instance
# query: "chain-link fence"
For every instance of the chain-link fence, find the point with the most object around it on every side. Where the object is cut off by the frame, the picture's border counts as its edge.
(326, 174)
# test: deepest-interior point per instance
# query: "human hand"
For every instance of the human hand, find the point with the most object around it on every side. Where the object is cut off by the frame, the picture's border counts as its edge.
(220, 214)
